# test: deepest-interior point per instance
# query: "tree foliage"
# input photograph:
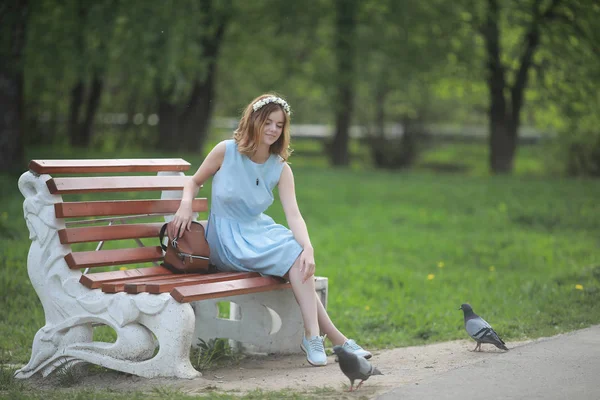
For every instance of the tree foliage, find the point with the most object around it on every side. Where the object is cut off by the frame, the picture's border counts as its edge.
(517, 35)
(506, 63)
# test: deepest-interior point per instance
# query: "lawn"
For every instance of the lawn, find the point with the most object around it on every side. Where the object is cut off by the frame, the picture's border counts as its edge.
(403, 250)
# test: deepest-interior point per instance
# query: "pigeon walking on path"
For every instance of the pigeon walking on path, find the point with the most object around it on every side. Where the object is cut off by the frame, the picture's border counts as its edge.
(354, 367)
(480, 330)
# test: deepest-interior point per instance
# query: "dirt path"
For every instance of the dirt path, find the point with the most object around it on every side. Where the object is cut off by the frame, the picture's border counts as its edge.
(401, 366)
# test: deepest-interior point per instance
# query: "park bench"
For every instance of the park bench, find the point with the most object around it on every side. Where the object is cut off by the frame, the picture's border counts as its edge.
(157, 315)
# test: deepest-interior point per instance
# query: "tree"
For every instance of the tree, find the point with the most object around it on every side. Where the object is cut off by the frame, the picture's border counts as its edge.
(13, 27)
(346, 12)
(567, 98)
(67, 65)
(506, 93)
(93, 29)
(289, 53)
(185, 114)
(406, 51)
(195, 118)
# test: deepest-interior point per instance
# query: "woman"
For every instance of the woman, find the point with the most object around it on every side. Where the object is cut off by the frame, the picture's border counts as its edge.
(241, 237)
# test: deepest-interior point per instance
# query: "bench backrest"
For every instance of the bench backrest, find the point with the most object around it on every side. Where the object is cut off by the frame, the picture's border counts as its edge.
(121, 222)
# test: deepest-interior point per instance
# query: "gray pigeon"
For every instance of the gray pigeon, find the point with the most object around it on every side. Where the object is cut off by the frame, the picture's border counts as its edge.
(354, 367)
(480, 330)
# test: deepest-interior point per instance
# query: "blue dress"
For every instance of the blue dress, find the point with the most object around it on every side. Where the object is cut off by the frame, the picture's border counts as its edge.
(241, 237)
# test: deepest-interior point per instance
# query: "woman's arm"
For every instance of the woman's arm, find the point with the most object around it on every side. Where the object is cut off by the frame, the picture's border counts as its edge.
(287, 195)
(211, 164)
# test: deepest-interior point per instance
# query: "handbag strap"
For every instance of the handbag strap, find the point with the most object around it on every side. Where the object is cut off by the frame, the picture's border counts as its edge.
(161, 236)
(186, 255)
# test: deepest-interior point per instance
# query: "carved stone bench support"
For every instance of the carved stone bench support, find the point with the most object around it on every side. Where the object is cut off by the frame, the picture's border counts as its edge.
(268, 322)
(71, 309)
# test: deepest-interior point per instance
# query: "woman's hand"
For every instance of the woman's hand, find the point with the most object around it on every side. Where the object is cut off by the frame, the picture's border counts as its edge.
(182, 220)
(307, 263)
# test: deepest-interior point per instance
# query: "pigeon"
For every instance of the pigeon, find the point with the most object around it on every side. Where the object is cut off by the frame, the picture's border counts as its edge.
(480, 330)
(354, 367)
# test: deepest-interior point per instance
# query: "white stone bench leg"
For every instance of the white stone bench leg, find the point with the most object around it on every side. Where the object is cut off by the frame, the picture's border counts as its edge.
(267, 322)
(321, 286)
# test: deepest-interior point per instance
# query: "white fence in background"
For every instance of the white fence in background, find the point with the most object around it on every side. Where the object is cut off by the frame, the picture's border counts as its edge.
(458, 132)
(322, 132)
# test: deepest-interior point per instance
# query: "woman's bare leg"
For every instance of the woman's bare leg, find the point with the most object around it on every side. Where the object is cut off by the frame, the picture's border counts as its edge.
(306, 298)
(327, 327)
(336, 337)
(314, 315)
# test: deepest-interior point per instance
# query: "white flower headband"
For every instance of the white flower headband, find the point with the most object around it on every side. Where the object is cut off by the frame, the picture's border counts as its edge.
(259, 104)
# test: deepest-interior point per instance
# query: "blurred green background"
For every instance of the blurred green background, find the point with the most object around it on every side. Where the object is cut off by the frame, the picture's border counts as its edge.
(399, 74)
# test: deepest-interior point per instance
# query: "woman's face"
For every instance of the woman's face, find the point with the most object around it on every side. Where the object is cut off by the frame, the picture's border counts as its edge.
(273, 127)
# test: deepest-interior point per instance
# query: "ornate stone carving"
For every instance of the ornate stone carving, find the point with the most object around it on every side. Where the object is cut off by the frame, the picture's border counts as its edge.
(71, 309)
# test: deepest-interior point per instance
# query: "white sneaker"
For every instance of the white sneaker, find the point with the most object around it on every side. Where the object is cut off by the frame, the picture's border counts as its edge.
(314, 349)
(352, 347)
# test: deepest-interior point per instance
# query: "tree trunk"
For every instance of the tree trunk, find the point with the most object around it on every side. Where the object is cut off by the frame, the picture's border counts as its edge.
(13, 24)
(346, 11)
(74, 111)
(93, 102)
(340, 156)
(78, 90)
(81, 126)
(505, 120)
(167, 125)
(52, 125)
(195, 119)
(205, 115)
(11, 121)
(501, 150)
(195, 125)
(188, 119)
(378, 141)
(503, 146)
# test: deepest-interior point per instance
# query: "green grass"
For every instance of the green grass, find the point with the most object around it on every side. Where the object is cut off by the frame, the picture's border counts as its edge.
(539, 236)
(403, 250)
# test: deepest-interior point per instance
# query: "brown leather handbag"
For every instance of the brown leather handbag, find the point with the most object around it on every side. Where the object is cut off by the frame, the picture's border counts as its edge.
(187, 254)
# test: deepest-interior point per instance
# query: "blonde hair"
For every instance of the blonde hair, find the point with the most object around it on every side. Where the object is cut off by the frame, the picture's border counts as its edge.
(247, 135)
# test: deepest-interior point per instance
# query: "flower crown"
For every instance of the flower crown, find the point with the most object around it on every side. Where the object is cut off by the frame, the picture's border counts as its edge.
(278, 100)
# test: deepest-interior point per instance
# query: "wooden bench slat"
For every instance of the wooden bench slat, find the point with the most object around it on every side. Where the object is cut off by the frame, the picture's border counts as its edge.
(166, 285)
(80, 209)
(205, 291)
(99, 184)
(117, 286)
(109, 232)
(95, 280)
(101, 258)
(108, 165)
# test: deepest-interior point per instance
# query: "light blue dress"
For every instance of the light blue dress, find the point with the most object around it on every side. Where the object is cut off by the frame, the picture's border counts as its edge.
(241, 237)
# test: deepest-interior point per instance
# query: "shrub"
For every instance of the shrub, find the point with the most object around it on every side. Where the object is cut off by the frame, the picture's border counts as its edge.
(397, 152)
(583, 154)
